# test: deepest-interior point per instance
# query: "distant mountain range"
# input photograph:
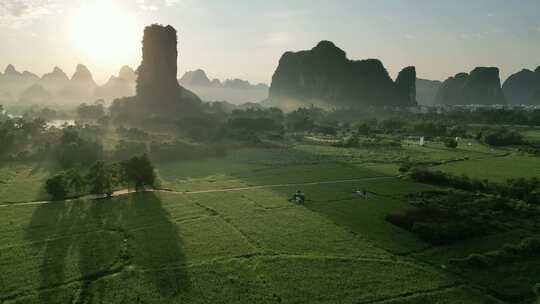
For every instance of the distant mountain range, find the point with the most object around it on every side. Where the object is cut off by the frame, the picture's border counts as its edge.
(56, 87)
(481, 86)
(235, 91)
(301, 79)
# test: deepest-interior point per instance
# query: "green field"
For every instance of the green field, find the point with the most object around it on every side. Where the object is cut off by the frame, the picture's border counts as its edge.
(23, 181)
(248, 245)
(496, 168)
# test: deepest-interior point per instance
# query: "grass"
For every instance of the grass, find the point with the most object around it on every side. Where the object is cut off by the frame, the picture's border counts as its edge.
(203, 248)
(496, 168)
(514, 287)
(328, 280)
(23, 181)
(532, 135)
(447, 296)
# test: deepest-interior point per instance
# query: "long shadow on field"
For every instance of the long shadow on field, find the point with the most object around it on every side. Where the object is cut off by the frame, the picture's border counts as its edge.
(86, 243)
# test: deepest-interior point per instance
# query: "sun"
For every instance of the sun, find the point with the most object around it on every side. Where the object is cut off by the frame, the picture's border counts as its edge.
(105, 32)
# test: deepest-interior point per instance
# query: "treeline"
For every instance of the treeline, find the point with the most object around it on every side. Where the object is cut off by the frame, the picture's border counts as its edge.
(442, 217)
(527, 248)
(447, 115)
(468, 208)
(102, 178)
(523, 189)
(25, 139)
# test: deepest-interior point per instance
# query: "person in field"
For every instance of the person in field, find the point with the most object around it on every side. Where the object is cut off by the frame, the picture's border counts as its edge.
(361, 193)
(298, 197)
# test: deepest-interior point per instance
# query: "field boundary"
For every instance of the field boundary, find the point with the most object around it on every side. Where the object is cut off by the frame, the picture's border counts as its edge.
(124, 192)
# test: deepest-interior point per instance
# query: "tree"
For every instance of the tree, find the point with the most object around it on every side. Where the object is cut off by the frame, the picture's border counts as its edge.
(364, 129)
(100, 179)
(73, 149)
(502, 137)
(126, 149)
(56, 186)
(91, 112)
(451, 143)
(138, 171)
(75, 181)
(7, 136)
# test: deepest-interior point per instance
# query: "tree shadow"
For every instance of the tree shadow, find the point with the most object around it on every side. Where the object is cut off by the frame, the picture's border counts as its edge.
(86, 244)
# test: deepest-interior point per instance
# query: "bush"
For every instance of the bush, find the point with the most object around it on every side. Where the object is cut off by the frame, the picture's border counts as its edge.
(56, 187)
(132, 133)
(138, 171)
(529, 247)
(502, 137)
(435, 225)
(536, 290)
(426, 176)
(451, 143)
(477, 260)
(356, 142)
(74, 150)
(443, 233)
(202, 127)
(405, 167)
(94, 111)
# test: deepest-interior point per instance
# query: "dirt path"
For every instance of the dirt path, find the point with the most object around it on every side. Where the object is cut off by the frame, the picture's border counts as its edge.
(123, 192)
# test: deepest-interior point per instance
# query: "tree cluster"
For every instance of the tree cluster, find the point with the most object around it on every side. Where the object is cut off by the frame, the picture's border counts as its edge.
(101, 178)
(523, 189)
(92, 111)
(443, 217)
(501, 137)
(78, 146)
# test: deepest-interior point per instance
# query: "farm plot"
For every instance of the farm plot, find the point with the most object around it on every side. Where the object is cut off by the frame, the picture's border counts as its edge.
(23, 181)
(216, 247)
(510, 278)
(329, 280)
(249, 246)
(496, 168)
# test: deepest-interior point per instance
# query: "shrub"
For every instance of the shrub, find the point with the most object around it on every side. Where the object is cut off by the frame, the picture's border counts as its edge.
(529, 247)
(73, 149)
(138, 171)
(451, 143)
(94, 111)
(132, 133)
(56, 187)
(477, 260)
(442, 233)
(502, 137)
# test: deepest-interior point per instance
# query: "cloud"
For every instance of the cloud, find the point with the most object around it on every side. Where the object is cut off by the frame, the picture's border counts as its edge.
(491, 14)
(154, 5)
(278, 38)
(19, 13)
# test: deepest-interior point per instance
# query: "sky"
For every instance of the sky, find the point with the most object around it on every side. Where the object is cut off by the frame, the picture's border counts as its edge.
(245, 39)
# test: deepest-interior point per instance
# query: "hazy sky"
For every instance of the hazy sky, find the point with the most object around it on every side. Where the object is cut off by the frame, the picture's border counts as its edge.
(245, 39)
